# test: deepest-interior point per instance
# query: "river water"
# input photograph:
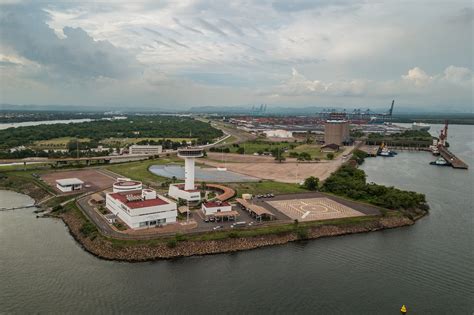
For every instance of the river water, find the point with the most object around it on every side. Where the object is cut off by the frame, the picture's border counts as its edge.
(43, 122)
(428, 266)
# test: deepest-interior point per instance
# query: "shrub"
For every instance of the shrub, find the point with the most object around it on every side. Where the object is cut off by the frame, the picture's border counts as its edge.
(233, 235)
(172, 243)
(58, 209)
(88, 229)
(330, 156)
(311, 183)
(302, 233)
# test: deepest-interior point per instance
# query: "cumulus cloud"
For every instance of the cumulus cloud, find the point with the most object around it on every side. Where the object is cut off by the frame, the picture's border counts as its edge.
(77, 55)
(279, 52)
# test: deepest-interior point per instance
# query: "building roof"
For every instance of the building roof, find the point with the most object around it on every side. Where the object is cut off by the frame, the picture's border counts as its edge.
(331, 146)
(215, 204)
(232, 213)
(122, 197)
(258, 210)
(69, 181)
(127, 183)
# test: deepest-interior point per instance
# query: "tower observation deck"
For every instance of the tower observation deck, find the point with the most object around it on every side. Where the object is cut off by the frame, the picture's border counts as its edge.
(189, 154)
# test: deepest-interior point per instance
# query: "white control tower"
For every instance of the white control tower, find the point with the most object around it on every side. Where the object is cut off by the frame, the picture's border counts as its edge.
(189, 154)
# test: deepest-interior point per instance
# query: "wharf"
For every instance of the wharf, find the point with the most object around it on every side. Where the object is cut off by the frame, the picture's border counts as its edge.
(451, 158)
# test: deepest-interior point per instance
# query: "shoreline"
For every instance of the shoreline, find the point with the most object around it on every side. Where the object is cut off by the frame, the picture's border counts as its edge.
(158, 249)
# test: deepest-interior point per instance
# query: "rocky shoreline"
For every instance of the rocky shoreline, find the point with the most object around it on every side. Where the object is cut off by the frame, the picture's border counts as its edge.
(106, 249)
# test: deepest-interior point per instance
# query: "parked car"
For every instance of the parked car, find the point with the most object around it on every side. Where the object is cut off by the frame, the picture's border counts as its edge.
(218, 227)
(206, 220)
(238, 224)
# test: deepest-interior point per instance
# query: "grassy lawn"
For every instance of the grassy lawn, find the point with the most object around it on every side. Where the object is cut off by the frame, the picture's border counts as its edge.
(252, 147)
(126, 141)
(20, 167)
(56, 143)
(265, 187)
(139, 170)
(314, 150)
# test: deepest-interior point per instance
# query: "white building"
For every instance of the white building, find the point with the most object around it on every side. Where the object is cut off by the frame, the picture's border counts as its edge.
(178, 191)
(145, 149)
(212, 207)
(126, 184)
(69, 184)
(187, 191)
(142, 208)
(279, 133)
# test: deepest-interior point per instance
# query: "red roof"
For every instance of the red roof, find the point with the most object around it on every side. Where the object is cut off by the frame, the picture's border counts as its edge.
(215, 204)
(122, 197)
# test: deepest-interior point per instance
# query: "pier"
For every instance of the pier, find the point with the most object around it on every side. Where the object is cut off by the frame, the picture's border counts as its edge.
(451, 158)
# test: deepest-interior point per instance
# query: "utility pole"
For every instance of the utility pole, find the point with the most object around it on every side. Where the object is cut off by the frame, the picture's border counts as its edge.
(77, 147)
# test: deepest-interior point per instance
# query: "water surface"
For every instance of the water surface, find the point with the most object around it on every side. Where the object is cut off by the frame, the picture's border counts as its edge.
(428, 266)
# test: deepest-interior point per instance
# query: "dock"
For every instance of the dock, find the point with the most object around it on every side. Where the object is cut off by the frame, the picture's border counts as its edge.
(451, 158)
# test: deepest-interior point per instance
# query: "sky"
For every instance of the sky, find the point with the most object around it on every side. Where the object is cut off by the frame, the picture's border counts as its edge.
(187, 53)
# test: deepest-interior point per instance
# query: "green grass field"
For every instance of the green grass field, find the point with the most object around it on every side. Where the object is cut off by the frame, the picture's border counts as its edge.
(139, 170)
(314, 150)
(56, 143)
(265, 187)
(126, 141)
(252, 147)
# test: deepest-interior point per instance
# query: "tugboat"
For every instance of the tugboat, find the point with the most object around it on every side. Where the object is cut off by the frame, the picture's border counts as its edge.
(385, 152)
(440, 162)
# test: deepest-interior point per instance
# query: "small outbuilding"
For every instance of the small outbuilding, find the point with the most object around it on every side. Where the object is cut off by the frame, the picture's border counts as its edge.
(332, 147)
(69, 184)
(213, 207)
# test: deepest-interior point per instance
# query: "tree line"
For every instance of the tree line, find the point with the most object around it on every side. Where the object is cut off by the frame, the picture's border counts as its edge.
(133, 127)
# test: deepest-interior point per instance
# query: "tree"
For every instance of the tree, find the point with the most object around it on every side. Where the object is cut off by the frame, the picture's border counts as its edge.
(203, 186)
(330, 156)
(278, 154)
(240, 150)
(311, 183)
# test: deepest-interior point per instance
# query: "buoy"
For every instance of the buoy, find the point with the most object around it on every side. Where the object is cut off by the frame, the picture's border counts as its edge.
(403, 310)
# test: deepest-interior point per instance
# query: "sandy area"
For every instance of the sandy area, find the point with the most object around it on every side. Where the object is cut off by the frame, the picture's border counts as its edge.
(96, 179)
(265, 167)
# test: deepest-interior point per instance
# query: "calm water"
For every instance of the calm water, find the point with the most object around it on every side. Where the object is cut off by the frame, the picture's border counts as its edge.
(44, 122)
(428, 266)
(202, 174)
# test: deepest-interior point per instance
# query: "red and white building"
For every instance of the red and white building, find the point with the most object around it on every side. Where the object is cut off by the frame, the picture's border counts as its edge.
(142, 208)
(213, 207)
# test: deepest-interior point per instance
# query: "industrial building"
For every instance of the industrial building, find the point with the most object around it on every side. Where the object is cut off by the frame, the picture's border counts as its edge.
(336, 132)
(142, 208)
(69, 184)
(278, 133)
(145, 149)
(187, 191)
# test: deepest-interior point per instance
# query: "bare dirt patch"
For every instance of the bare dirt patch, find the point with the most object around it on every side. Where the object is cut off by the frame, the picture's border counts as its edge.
(96, 179)
(265, 167)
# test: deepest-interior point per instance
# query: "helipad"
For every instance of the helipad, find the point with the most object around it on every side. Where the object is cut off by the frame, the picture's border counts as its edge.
(312, 209)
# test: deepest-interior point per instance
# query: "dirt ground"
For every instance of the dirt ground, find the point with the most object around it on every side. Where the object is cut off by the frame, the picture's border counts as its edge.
(96, 179)
(265, 167)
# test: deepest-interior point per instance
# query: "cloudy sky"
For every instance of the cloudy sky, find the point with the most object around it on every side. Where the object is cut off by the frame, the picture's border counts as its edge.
(178, 54)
